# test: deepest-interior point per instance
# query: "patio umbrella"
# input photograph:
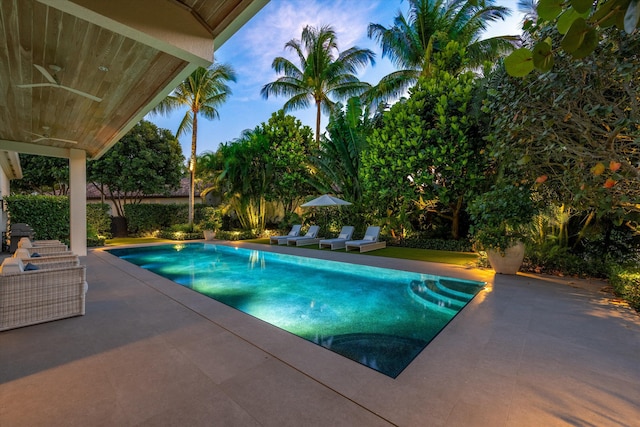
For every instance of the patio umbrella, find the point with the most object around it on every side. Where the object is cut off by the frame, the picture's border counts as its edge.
(325, 200)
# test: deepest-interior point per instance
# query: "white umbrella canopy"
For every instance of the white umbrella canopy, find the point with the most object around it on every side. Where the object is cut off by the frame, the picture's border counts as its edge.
(325, 200)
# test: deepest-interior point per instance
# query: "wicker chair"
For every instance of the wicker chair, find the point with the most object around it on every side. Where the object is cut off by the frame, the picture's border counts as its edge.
(56, 260)
(49, 247)
(49, 293)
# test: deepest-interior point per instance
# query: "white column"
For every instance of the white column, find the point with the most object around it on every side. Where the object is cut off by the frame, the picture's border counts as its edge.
(78, 201)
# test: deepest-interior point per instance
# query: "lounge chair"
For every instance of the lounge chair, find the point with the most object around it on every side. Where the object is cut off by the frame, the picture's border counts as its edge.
(30, 297)
(65, 259)
(49, 248)
(339, 242)
(282, 240)
(26, 242)
(311, 238)
(368, 243)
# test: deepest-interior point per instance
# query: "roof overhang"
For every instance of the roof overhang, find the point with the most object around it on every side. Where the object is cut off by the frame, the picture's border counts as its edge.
(79, 74)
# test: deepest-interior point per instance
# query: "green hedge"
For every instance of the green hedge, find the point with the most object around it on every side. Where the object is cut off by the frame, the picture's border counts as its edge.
(148, 217)
(98, 220)
(47, 215)
(626, 283)
(419, 242)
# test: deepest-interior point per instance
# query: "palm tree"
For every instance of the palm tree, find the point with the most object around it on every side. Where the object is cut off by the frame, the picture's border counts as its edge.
(324, 72)
(429, 26)
(203, 92)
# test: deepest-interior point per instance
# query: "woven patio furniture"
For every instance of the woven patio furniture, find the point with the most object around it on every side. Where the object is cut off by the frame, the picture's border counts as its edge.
(43, 295)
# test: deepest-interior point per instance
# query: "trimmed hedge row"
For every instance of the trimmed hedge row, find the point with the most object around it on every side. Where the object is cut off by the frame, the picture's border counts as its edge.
(148, 217)
(626, 283)
(98, 219)
(47, 215)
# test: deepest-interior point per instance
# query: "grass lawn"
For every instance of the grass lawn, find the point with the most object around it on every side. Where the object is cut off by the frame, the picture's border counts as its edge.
(121, 241)
(429, 255)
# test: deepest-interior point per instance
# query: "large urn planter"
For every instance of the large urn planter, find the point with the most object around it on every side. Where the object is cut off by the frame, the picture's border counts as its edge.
(209, 234)
(509, 262)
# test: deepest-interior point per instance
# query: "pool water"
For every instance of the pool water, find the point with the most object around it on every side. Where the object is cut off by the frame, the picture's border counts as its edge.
(381, 318)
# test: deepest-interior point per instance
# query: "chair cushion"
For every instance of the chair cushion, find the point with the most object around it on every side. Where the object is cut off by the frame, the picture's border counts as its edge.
(368, 238)
(35, 255)
(31, 267)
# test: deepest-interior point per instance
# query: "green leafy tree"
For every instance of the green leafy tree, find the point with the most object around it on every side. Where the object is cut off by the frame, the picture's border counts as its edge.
(202, 93)
(336, 165)
(147, 160)
(324, 73)
(582, 24)
(412, 40)
(575, 131)
(429, 148)
(42, 175)
(289, 145)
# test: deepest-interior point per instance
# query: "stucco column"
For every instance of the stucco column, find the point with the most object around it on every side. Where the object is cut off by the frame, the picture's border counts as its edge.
(78, 201)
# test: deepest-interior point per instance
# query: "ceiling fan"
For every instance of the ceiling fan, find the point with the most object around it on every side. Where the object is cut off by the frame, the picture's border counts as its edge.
(54, 83)
(47, 136)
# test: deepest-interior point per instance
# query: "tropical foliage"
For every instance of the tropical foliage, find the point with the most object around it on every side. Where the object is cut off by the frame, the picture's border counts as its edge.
(429, 26)
(583, 24)
(202, 93)
(336, 166)
(325, 74)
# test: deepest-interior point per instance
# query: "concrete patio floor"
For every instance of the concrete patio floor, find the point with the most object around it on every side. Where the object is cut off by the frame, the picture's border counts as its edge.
(527, 351)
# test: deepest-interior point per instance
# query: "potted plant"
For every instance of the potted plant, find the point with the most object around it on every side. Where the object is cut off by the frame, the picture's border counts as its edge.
(499, 217)
(211, 222)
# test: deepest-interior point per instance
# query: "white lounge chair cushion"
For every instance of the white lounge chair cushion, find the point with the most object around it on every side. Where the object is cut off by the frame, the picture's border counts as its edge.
(22, 253)
(369, 238)
(343, 236)
(293, 233)
(11, 265)
(24, 243)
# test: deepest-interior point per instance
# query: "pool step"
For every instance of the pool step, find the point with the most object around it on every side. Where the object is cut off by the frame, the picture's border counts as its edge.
(435, 295)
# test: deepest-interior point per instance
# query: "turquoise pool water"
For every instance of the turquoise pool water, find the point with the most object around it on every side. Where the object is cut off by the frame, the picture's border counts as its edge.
(379, 317)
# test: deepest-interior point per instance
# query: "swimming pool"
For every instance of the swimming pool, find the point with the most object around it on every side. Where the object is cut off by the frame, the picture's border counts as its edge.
(379, 317)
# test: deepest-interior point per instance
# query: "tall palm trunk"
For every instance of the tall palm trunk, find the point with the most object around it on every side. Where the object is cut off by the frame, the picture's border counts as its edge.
(192, 184)
(318, 112)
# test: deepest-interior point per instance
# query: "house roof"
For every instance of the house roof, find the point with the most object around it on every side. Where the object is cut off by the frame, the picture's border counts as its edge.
(182, 191)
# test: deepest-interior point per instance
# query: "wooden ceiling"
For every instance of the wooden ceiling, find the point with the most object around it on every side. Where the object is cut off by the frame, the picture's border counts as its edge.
(78, 74)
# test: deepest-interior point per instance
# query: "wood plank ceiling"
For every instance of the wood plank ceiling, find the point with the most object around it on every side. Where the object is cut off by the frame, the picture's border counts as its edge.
(70, 82)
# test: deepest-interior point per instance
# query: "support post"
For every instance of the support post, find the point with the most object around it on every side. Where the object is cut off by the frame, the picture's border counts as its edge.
(78, 201)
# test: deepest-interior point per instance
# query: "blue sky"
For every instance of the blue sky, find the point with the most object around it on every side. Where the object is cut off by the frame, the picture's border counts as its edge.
(252, 50)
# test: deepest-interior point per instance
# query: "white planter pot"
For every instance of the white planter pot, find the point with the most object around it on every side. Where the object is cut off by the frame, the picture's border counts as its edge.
(510, 262)
(209, 234)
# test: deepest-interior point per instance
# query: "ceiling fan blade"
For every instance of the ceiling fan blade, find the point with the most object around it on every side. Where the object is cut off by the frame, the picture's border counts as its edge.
(46, 74)
(81, 93)
(40, 137)
(63, 140)
(37, 85)
(43, 137)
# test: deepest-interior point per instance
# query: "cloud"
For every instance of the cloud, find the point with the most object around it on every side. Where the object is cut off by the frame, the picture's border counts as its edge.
(255, 46)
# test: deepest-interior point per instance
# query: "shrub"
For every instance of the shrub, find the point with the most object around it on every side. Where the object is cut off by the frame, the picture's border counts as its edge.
(626, 283)
(146, 218)
(47, 215)
(237, 235)
(420, 242)
(98, 221)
